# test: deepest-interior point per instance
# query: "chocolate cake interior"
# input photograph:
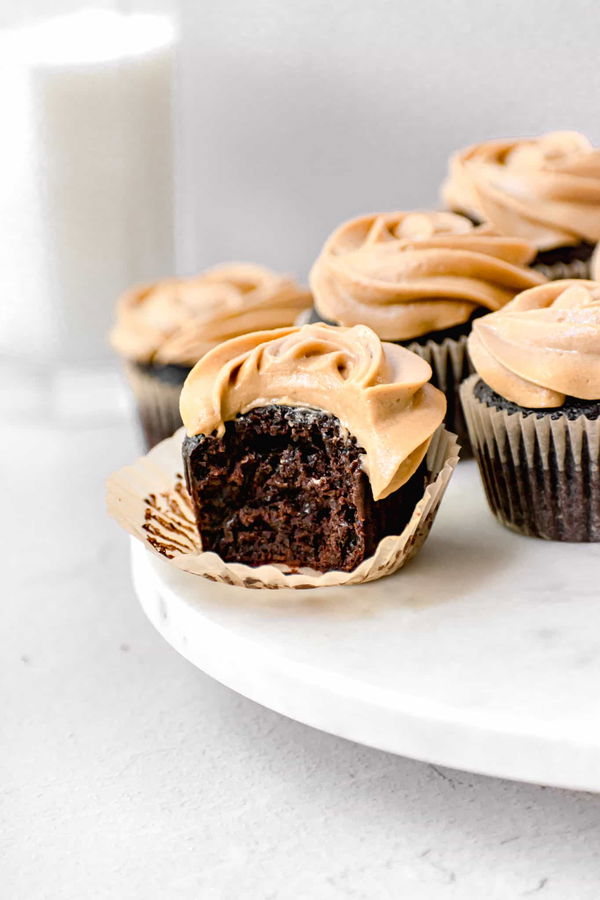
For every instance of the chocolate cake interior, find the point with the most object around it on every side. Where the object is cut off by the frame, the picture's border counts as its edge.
(286, 485)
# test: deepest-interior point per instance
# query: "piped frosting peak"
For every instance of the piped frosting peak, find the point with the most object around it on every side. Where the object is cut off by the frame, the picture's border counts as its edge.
(542, 347)
(177, 320)
(405, 274)
(545, 189)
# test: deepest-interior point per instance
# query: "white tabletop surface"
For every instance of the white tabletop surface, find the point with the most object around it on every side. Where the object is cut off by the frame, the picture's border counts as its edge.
(129, 774)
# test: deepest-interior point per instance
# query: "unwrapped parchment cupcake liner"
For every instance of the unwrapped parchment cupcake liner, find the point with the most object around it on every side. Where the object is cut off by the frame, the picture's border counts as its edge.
(450, 365)
(157, 404)
(541, 474)
(150, 501)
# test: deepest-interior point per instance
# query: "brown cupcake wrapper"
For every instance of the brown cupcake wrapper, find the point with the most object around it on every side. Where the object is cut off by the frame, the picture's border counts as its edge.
(157, 405)
(578, 268)
(150, 501)
(541, 475)
(450, 364)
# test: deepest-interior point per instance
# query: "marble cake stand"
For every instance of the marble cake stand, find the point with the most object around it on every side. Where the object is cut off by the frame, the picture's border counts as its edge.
(483, 654)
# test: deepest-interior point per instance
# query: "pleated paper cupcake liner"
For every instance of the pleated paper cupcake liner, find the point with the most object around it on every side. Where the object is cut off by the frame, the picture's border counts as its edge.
(541, 474)
(150, 501)
(450, 364)
(157, 404)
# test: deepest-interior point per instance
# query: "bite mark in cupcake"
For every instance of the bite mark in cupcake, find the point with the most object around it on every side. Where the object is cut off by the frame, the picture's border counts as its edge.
(306, 446)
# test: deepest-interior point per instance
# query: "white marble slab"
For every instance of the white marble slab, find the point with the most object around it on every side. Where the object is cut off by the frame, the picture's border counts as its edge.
(483, 654)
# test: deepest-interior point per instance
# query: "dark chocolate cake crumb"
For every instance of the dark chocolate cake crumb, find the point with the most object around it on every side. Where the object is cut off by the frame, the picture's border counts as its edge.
(572, 408)
(286, 485)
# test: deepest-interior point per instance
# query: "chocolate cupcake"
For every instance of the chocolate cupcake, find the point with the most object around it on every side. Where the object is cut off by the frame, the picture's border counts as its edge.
(419, 279)
(163, 329)
(545, 190)
(533, 410)
(307, 446)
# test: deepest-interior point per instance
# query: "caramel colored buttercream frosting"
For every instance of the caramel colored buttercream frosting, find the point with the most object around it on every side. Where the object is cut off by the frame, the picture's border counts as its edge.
(176, 321)
(545, 189)
(542, 347)
(405, 274)
(378, 391)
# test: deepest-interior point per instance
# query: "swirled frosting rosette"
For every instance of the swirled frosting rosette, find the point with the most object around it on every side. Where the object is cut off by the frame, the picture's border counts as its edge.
(533, 410)
(162, 329)
(544, 346)
(380, 398)
(545, 190)
(419, 278)
(406, 274)
(176, 321)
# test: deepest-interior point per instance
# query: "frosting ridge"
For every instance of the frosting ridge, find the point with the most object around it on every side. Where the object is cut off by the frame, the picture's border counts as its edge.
(378, 391)
(545, 189)
(177, 320)
(542, 347)
(405, 274)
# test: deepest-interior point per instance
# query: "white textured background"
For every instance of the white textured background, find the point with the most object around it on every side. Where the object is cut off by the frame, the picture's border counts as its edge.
(299, 113)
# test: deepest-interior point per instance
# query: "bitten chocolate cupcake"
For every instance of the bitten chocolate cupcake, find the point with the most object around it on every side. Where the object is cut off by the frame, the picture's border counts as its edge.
(307, 446)
(419, 279)
(163, 329)
(533, 410)
(545, 190)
